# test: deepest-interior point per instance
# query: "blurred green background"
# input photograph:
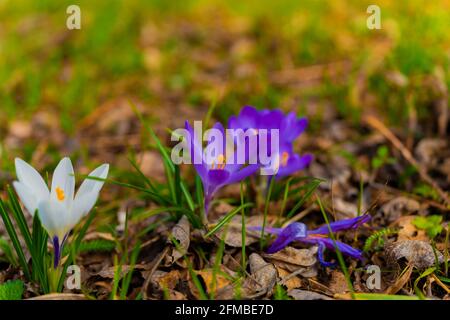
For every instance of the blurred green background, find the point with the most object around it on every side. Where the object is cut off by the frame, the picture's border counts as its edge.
(178, 57)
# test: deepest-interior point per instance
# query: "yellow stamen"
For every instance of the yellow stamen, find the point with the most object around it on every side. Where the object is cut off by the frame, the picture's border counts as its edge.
(284, 158)
(220, 162)
(60, 194)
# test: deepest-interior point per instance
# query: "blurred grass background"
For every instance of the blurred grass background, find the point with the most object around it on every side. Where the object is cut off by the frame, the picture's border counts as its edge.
(173, 55)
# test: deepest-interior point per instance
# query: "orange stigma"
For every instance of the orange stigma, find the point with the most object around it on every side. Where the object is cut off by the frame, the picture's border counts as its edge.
(60, 194)
(284, 158)
(317, 236)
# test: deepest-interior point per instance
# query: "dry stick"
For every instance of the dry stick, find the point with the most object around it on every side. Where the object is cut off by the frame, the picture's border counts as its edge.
(439, 282)
(394, 191)
(299, 216)
(149, 276)
(378, 125)
(292, 275)
(401, 281)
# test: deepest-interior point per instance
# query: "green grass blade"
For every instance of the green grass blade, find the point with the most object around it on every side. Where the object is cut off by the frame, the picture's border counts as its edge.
(195, 279)
(127, 279)
(15, 240)
(227, 219)
(338, 252)
(20, 218)
(380, 296)
(243, 230)
(8, 252)
(142, 175)
(311, 188)
(217, 264)
(426, 273)
(266, 208)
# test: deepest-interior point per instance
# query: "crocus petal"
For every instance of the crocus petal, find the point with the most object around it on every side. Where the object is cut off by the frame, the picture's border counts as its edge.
(342, 225)
(63, 183)
(270, 230)
(344, 248)
(27, 175)
(197, 153)
(27, 197)
(220, 127)
(320, 255)
(217, 177)
(82, 206)
(292, 232)
(292, 127)
(271, 119)
(243, 173)
(247, 119)
(92, 185)
(54, 218)
(295, 163)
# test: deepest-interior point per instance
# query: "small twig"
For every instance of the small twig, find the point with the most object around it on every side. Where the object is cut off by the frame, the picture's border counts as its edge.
(292, 275)
(439, 282)
(396, 192)
(378, 125)
(299, 216)
(149, 276)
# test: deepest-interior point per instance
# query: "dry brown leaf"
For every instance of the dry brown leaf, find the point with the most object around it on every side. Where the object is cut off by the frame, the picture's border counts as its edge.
(286, 279)
(418, 253)
(60, 296)
(151, 165)
(428, 151)
(166, 280)
(109, 272)
(99, 235)
(298, 294)
(445, 168)
(213, 281)
(233, 231)
(338, 283)
(264, 273)
(294, 256)
(175, 295)
(398, 207)
(400, 282)
(181, 233)
(408, 231)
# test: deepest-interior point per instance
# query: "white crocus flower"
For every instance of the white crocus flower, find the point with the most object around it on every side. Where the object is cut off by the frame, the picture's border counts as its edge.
(59, 209)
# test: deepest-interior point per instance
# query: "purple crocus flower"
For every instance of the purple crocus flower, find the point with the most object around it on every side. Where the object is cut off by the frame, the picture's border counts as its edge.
(289, 126)
(298, 232)
(221, 171)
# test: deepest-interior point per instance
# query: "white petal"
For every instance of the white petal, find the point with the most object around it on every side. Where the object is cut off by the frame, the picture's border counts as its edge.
(82, 205)
(91, 185)
(27, 175)
(54, 218)
(63, 183)
(26, 196)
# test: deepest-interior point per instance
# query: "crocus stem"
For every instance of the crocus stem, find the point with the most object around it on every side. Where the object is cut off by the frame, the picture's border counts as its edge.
(268, 183)
(266, 208)
(207, 203)
(54, 274)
